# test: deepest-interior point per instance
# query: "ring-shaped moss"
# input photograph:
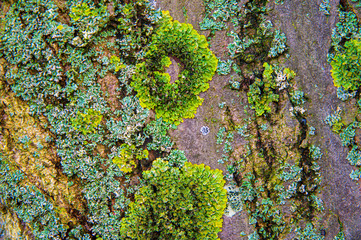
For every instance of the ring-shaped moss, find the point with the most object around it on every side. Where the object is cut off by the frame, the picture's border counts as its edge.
(174, 101)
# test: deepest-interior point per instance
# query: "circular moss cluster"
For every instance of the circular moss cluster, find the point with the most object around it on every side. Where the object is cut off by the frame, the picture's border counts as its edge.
(174, 101)
(177, 203)
(346, 67)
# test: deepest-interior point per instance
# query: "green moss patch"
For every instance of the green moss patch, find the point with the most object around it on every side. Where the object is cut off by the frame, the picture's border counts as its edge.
(346, 69)
(177, 203)
(174, 101)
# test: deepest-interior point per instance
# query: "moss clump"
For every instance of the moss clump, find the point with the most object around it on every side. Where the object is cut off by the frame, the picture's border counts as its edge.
(87, 122)
(346, 69)
(261, 92)
(177, 203)
(174, 101)
(128, 154)
(265, 91)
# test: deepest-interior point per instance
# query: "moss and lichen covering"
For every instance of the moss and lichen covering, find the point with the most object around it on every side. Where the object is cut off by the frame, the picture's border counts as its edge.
(344, 58)
(174, 101)
(83, 156)
(75, 139)
(273, 173)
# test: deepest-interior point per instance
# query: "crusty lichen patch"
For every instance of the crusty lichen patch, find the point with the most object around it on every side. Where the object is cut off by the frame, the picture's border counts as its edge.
(25, 140)
(13, 227)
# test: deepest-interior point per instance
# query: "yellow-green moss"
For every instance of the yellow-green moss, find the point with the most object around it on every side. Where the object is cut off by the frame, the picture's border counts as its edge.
(177, 203)
(174, 101)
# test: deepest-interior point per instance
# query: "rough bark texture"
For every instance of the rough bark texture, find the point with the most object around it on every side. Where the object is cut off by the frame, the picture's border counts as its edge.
(308, 34)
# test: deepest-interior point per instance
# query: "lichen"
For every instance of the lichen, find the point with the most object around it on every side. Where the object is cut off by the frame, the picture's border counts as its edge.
(72, 153)
(174, 101)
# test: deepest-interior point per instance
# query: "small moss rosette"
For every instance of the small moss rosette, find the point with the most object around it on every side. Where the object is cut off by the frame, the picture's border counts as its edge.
(174, 101)
(346, 66)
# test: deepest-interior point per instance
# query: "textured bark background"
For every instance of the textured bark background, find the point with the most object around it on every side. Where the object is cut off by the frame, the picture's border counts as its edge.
(308, 34)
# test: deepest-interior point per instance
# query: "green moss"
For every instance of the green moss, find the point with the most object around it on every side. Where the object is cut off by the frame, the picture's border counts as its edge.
(346, 70)
(266, 90)
(88, 18)
(177, 203)
(129, 154)
(174, 101)
(261, 93)
(87, 122)
(84, 10)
